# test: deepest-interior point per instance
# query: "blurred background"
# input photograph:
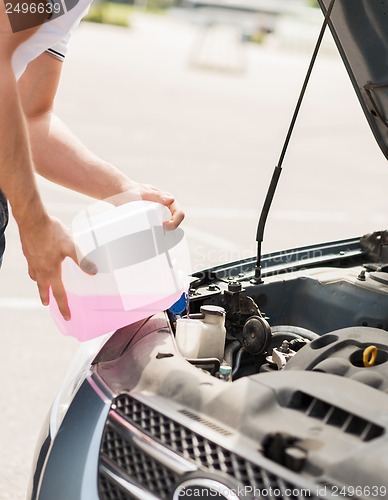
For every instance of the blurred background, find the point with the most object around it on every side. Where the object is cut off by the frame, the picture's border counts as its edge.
(194, 97)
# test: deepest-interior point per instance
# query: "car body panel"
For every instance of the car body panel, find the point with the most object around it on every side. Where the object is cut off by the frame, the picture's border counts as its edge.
(360, 30)
(70, 469)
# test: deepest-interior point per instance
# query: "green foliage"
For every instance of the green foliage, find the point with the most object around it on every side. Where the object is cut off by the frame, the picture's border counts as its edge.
(158, 5)
(258, 37)
(118, 14)
(109, 13)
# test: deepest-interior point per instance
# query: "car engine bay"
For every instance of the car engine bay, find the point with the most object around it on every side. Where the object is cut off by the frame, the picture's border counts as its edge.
(295, 395)
(267, 325)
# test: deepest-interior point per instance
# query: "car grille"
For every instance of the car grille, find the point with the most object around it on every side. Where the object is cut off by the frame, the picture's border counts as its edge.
(141, 469)
(137, 464)
(110, 489)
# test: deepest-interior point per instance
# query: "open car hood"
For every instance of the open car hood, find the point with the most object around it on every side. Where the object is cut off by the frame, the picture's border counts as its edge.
(360, 30)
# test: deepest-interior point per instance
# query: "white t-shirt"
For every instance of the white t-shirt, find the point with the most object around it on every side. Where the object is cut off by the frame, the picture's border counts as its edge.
(53, 37)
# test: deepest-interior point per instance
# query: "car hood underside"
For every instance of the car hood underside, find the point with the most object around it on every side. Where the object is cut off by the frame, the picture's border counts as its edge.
(360, 30)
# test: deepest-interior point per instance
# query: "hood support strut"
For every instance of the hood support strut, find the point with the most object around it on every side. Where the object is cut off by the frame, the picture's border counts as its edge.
(278, 169)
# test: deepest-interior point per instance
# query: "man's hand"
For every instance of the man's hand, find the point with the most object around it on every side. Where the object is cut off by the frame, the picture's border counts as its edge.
(151, 193)
(135, 191)
(46, 242)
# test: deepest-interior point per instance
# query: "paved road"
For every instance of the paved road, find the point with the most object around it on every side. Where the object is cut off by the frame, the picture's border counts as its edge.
(212, 137)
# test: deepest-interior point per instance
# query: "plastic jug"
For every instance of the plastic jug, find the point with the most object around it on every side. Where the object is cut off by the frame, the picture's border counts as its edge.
(142, 269)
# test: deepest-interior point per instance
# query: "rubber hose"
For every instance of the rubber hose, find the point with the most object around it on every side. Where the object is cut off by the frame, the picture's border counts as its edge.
(238, 362)
(285, 332)
(292, 332)
(229, 352)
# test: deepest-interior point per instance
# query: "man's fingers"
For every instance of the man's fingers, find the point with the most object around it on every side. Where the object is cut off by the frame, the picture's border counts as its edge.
(60, 296)
(153, 194)
(88, 266)
(45, 244)
(177, 216)
(168, 200)
(43, 288)
(84, 263)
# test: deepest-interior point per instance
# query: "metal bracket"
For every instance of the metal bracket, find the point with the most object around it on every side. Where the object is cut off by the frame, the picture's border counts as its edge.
(369, 89)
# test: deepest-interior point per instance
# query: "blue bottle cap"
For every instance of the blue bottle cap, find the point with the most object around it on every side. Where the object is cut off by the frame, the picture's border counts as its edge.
(179, 306)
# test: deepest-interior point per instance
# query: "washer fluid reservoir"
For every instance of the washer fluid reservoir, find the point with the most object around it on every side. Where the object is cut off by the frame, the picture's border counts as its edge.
(203, 336)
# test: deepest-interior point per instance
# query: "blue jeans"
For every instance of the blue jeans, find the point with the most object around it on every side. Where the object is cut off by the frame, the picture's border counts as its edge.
(3, 223)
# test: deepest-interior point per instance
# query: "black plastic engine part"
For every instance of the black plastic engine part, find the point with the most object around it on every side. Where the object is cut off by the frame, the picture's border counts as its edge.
(282, 448)
(239, 308)
(342, 353)
(256, 335)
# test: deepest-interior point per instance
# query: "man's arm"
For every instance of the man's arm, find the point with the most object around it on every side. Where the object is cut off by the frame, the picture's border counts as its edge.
(44, 240)
(60, 157)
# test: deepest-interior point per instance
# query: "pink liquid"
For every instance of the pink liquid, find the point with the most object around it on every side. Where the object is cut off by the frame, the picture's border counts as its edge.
(92, 316)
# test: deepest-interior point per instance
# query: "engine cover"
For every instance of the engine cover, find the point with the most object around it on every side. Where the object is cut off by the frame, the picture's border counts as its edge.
(341, 353)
